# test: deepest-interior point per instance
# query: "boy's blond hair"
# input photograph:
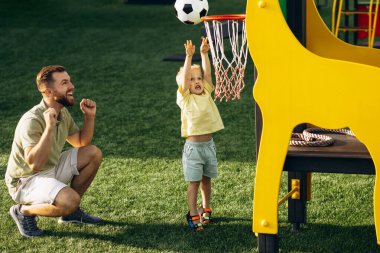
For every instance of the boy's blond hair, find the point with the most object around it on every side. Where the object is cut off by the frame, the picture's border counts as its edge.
(178, 77)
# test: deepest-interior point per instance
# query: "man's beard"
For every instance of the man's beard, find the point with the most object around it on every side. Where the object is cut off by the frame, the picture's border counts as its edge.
(64, 101)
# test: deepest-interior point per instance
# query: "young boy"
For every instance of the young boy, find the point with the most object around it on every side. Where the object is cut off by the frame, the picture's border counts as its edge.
(200, 118)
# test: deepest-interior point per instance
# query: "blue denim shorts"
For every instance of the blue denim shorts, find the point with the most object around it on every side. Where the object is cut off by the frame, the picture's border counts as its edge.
(199, 159)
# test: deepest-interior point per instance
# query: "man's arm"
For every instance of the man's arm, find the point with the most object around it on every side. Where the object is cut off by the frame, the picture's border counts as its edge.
(37, 156)
(186, 72)
(84, 136)
(206, 66)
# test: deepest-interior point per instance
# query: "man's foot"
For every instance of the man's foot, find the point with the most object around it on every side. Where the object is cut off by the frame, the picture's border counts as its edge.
(26, 224)
(79, 217)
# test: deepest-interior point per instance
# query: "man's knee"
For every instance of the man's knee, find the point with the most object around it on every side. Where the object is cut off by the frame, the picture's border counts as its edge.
(90, 154)
(67, 200)
(98, 156)
(95, 154)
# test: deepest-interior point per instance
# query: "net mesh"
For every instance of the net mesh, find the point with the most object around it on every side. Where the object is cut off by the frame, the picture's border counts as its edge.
(229, 70)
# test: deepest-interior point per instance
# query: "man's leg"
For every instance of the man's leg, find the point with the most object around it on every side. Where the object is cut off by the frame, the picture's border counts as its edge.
(65, 203)
(89, 160)
(68, 199)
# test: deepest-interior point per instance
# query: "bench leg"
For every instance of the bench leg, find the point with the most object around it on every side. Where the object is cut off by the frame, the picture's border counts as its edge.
(297, 207)
(267, 243)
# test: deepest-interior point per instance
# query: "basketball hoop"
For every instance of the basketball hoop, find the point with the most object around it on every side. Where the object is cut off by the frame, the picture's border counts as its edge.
(229, 71)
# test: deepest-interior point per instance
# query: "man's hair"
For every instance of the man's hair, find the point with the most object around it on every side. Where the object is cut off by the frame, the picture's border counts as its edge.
(45, 76)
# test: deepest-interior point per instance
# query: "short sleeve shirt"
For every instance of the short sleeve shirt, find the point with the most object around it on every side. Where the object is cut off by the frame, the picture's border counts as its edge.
(199, 114)
(28, 133)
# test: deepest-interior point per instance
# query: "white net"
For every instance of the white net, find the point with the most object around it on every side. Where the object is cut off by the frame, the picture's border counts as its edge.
(229, 70)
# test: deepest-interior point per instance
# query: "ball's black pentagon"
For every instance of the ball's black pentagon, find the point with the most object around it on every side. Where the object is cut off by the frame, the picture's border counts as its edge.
(203, 13)
(189, 22)
(187, 8)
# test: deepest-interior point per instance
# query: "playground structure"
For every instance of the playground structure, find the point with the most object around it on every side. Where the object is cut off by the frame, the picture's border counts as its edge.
(358, 18)
(308, 56)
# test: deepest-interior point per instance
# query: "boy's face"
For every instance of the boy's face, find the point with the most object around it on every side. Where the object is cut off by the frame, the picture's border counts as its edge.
(196, 83)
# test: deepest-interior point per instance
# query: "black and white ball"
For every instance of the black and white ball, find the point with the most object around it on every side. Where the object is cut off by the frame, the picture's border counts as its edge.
(191, 11)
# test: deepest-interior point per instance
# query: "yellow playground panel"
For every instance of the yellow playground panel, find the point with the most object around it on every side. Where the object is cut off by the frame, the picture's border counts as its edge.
(286, 68)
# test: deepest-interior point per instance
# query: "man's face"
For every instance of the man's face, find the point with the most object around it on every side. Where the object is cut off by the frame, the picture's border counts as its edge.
(63, 89)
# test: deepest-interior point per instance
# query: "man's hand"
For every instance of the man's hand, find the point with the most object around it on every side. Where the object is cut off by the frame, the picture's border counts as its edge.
(88, 107)
(190, 48)
(205, 47)
(50, 116)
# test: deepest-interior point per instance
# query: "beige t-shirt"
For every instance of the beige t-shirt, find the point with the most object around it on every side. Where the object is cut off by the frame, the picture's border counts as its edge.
(27, 134)
(199, 114)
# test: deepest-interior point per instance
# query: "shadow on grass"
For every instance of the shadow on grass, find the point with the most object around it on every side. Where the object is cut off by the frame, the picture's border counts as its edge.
(227, 235)
(223, 236)
(329, 238)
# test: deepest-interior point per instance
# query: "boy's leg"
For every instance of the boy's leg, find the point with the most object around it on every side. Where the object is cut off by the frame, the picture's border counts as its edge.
(206, 192)
(210, 171)
(192, 193)
(193, 218)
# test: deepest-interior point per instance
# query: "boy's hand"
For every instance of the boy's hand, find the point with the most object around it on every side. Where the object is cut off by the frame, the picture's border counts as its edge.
(190, 48)
(205, 47)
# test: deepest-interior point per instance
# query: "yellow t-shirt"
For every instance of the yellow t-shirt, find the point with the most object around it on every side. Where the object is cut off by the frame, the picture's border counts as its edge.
(199, 114)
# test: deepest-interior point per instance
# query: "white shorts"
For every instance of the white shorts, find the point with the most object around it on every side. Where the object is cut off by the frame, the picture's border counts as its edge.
(43, 187)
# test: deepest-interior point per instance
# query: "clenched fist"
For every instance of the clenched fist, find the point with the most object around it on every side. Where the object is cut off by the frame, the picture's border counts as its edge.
(50, 116)
(88, 107)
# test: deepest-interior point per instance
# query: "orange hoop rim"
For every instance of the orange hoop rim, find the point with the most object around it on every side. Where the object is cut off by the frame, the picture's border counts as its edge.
(224, 17)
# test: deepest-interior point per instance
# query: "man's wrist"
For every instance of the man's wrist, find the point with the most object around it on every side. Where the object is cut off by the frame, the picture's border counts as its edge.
(49, 129)
(87, 116)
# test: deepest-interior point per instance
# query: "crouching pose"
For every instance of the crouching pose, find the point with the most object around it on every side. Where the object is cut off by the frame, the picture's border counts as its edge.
(42, 179)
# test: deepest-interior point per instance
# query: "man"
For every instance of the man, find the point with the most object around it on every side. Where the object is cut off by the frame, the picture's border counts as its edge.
(38, 173)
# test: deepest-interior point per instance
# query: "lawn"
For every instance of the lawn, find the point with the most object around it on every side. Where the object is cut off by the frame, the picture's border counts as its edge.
(113, 52)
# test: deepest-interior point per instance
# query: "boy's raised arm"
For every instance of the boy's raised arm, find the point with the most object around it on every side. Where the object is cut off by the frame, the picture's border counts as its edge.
(206, 66)
(186, 72)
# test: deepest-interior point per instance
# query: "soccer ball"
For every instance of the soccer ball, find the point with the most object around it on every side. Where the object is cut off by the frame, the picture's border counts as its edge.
(191, 11)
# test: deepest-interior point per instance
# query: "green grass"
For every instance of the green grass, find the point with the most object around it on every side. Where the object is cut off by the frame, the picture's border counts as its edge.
(114, 52)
